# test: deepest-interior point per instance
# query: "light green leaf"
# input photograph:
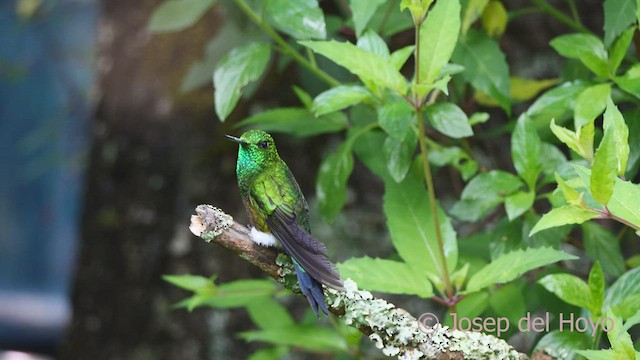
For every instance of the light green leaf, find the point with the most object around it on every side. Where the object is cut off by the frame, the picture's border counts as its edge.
(485, 66)
(399, 57)
(494, 18)
(562, 216)
(509, 266)
(339, 98)
(525, 151)
(597, 354)
(456, 157)
(373, 43)
(570, 194)
(586, 48)
(272, 353)
(362, 11)
(399, 155)
(516, 204)
(591, 103)
(581, 143)
(234, 71)
(367, 66)
(563, 343)
(176, 15)
(556, 102)
(438, 37)
(472, 12)
(526, 89)
(619, 49)
(269, 314)
(302, 19)
(332, 181)
(418, 8)
(626, 286)
(602, 246)
(234, 294)
(295, 121)
(189, 282)
(483, 193)
(478, 118)
(596, 289)
(569, 288)
(384, 275)
(397, 119)
(308, 337)
(303, 96)
(449, 119)
(618, 14)
(603, 170)
(630, 81)
(614, 121)
(411, 225)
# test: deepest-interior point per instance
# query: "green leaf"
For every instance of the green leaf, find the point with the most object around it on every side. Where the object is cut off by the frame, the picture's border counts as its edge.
(295, 121)
(373, 43)
(418, 8)
(273, 353)
(563, 344)
(570, 194)
(596, 289)
(362, 11)
(597, 354)
(509, 266)
(438, 37)
(332, 181)
(562, 216)
(494, 19)
(619, 49)
(602, 246)
(456, 157)
(384, 275)
(269, 314)
(614, 121)
(569, 288)
(618, 14)
(397, 119)
(189, 282)
(234, 294)
(302, 19)
(472, 12)
(338, 98)
(630, 81)
(399, 57)
(516, 204)
(586, 48)
(591, 103)
(556, 102)
(525, 151)
(176, 15)
(308, 337)
(626, 286)
(603, 170)
(526, 89)
(411, 225)
(399, 155)
(485, 66)
(367, 66)
(508, 301)
(234, 71)
(483, 193)
(580, 142)
(449, 119)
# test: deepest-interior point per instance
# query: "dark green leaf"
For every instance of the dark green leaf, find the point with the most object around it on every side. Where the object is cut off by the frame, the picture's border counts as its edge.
(516, 204)
(602, 246)
(332, 181)
(485, 66)
(234, 71)
(176, 15)
(273, 353)
(483, 193)
(397, 119)
(586, 48)
(472, 12)
(302, 19)
(269, 313)
(508, 301)
(509, 266)
(556, 103)
(362, 11)
(630, 81)
(338, 98)
(304, 336)
(563, 343)
(235, 294)
(626, 286)
(562, 216)
(399, 155)
(295, 121)
(618, 14)
(525, 151)
(367, 66)
(411, 225)
(438, 37)
(388, 276)
(449, 119)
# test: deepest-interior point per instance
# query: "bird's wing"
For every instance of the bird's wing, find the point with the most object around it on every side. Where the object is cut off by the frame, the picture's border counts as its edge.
(310, 253)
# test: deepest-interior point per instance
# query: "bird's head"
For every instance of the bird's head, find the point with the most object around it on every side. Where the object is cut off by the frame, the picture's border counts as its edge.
(257, 151)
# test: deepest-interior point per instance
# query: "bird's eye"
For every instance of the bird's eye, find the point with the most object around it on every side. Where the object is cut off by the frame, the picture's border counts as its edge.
(264, 144)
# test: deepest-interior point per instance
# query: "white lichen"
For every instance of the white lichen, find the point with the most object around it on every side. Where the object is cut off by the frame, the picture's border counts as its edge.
(209, 222)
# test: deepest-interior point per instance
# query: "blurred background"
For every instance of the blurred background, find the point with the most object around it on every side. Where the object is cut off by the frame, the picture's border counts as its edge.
(109, 141)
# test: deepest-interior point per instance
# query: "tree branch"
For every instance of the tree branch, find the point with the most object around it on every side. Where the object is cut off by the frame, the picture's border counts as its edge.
(392, 330)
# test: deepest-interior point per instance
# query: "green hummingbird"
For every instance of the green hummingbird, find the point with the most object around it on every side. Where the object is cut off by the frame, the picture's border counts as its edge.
(279, 214)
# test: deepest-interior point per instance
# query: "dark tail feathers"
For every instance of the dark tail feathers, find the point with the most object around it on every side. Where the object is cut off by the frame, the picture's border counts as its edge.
(312, 289)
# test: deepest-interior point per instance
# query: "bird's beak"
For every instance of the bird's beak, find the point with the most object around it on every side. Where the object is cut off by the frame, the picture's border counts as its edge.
(236, 139)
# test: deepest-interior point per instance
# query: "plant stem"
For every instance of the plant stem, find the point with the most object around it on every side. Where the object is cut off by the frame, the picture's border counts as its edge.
(606, 213)
(544, 6)
(285, 48)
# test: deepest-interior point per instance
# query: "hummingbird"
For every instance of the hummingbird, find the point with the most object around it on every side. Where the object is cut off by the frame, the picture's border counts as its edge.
(279, 214)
